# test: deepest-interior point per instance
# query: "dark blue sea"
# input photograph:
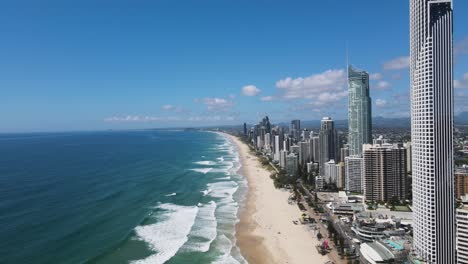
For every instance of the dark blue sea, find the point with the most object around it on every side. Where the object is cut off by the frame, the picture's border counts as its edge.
(119, 197)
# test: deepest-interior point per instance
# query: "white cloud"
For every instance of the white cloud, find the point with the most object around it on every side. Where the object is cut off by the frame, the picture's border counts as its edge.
(168, 107)
(173, 108)
(147, 119)
(217, 104)
(380, 103)
(321, 88)
(463, 83)
(133, 118)
(397, 63)
(328, 98)
(376, 76)
(250, 90)
(267, 98)
(382, 85)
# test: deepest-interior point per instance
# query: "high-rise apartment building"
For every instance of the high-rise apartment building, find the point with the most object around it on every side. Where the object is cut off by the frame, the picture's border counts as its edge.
(304, 152)
(341, 180)
(354, 169)
(384, 172)
(359, 111)
(277, 148)
(327, 143)
(331, 172)
(315, 149)
(431, 75)
(291, 164)
(295, 129)
(407, 145)
(461, 181)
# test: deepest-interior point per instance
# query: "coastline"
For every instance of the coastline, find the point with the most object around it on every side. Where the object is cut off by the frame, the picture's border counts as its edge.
(265, 232)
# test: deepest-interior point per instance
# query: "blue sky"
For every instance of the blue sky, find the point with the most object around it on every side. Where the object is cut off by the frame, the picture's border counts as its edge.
(91, 65)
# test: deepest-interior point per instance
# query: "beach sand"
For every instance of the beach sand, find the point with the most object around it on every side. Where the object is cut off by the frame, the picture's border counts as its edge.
(265, 232)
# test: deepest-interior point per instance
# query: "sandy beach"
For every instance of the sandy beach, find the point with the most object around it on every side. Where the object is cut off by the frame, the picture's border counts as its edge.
(265, 232)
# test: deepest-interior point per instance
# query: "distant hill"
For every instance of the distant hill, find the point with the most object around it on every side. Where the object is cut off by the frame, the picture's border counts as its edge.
(461, 118)
(380, 122)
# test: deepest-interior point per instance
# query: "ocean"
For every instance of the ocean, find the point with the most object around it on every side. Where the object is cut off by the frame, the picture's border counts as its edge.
(148, 196)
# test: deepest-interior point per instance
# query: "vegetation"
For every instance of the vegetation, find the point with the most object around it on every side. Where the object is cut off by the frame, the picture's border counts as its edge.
(282, 179)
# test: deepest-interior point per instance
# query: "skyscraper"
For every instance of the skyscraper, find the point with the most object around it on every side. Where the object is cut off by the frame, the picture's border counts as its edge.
(328, 143)
(431, 74)
(245, 129)
(315, 149)
(295, 129)
(304, 152)
(359, 111)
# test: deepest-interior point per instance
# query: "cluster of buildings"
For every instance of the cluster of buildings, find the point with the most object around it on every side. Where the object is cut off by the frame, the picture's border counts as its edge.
(364, 165)
(378, 169)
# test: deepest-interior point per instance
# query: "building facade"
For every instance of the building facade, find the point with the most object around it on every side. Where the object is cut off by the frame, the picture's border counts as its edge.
(291, 164)
(327, 143)
(359, 110)
(462, 235)
(431, 75)
(331, 172)
(304, 152)
(354, 169)
(384, 172)
(461, 182)
(315, 149)
(295, 130)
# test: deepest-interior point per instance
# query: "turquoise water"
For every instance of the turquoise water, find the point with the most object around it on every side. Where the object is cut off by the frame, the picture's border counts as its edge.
(119, 197)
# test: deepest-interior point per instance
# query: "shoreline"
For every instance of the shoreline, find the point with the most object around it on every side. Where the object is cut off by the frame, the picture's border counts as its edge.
(265, 232)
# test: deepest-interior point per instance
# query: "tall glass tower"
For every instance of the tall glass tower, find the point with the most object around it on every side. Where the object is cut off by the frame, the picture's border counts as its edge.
(431, 73)
(359, 111)
(327, 142)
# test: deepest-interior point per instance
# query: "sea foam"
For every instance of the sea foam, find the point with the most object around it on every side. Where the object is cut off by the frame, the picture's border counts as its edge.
(205, 162)
(204, 230)
(202, 170)
(171, 194)
(169, 235)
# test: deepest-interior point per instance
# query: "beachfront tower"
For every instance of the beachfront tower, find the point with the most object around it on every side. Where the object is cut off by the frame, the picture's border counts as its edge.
(327, 143)
(431, 76)
(359, 111)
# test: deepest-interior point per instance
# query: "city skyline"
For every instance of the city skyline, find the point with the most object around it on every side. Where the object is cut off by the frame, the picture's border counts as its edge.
(113, 68)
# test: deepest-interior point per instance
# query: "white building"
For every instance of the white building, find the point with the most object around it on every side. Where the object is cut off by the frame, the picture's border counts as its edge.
(462, 236)
(259, 142)
(277, 148)
(267, 145)
(354, 169)
(431, 75)
(331, 172)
